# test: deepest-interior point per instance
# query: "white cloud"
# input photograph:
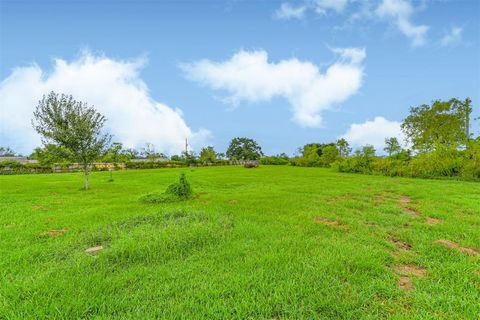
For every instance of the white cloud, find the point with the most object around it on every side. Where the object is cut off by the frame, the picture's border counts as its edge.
(287, 11)
(322, 6)
(401, 11)
(453, 37)
(115, 89)
(374, 132)
(249, 76)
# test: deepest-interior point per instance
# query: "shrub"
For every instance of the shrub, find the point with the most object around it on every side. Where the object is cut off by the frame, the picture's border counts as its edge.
(177, 191)
(14, 167)
(274, 161)
(154, 164)
(250, 164)
(443, 162)
(180, 189)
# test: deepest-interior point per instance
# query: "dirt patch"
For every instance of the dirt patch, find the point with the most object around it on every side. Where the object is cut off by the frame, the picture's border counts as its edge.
(328, 222)
(54, 232)
(405, 200)
(343, 197)
(411, 269)
(411, 212)
(406, 272)
(11, 225)
(432, 221)
(405, 283)
(380, 197)
(401, 244)
(233, 201)
(94, 250)
(453, 245)
(36, 207)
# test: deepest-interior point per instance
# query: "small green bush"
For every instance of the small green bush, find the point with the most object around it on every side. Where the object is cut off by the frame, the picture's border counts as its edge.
(274, 161)
(154, 164)
(14, 167)
(180, 189)
(177, 191)
(251, 164)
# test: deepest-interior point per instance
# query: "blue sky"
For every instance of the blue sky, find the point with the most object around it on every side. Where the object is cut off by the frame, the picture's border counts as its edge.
(139, 62)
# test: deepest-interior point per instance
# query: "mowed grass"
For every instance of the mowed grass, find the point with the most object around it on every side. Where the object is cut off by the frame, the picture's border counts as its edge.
(265, 243)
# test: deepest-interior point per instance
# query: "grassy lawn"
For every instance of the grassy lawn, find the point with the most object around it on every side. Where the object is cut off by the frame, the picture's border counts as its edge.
(266, 243)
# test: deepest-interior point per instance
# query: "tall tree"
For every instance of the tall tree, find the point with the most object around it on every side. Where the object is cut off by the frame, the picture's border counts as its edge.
(443, 123)
(392, 146)
(244, 149)
(73, 125)
(343, 148)
(208, 155)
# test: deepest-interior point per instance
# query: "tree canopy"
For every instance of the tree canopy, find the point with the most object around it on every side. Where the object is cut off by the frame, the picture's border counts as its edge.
(208, 155)
(244, 149)
(443, 123)
(73, 125)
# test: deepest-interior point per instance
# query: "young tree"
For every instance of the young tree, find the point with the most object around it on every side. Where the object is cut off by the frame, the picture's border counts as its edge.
(443, 123)
(116, 154)
(244, 149)
(73, 125)
(310, 157)
(208, 155)
(392, 146)
(343, 148)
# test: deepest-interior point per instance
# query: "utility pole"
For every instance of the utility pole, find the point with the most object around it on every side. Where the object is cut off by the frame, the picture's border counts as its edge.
(186, 147)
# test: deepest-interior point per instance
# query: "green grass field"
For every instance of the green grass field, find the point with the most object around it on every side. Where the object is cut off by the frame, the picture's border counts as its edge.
(267, 243)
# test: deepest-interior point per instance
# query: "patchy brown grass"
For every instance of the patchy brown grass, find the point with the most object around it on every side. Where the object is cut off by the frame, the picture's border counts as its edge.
(343, 197)
(401, 244)
(406, 272)
(405, 283)
(433, 221)
(405, 200)
(411, 269)
(328, 222)
(455, 246)
(54, 232)
(411, 212)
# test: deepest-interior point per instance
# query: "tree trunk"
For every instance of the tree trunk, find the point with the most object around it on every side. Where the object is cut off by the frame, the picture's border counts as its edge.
(86, 177)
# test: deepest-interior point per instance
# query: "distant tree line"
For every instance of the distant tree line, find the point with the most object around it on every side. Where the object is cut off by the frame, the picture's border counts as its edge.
(438, 137)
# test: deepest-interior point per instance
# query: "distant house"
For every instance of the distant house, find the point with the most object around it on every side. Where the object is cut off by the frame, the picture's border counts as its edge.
(18, 159)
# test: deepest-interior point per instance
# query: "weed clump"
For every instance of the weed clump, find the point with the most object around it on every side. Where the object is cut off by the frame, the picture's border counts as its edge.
(180, 189)
(177, 191)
